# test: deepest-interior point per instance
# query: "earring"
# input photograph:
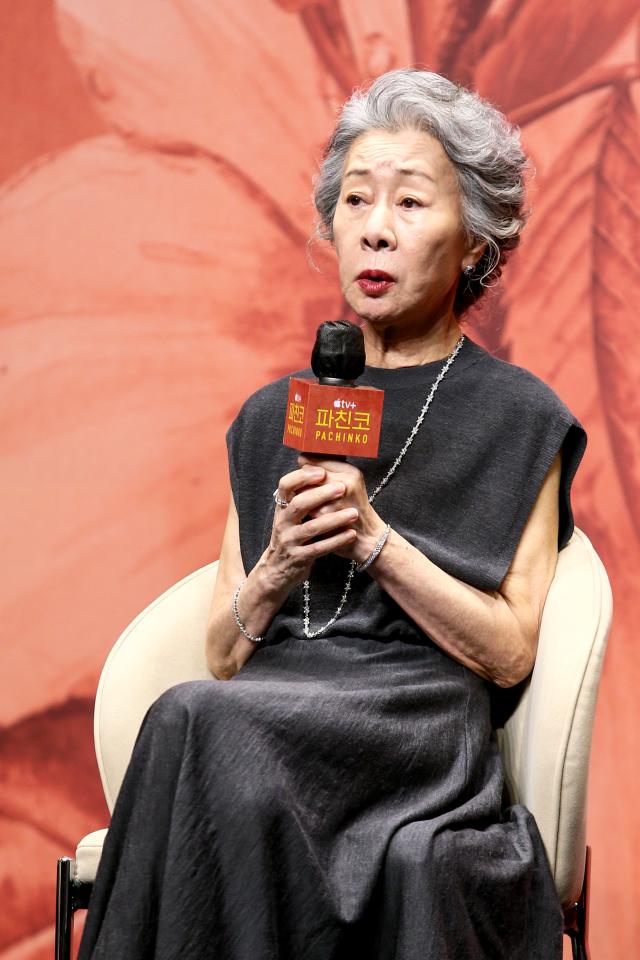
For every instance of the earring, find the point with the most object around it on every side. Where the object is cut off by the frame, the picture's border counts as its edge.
(468, 270)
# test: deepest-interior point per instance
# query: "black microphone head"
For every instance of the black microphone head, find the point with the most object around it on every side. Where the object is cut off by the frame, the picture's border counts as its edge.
(338, 353)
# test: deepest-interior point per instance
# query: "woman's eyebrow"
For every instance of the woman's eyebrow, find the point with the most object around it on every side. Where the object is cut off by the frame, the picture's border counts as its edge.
(407, 171)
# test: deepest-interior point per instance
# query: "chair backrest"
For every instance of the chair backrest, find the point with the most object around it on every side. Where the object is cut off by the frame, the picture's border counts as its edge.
(545, 743)
(164, 645)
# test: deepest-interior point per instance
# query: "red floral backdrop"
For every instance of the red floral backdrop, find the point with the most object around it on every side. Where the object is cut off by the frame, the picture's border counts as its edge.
(155, 179)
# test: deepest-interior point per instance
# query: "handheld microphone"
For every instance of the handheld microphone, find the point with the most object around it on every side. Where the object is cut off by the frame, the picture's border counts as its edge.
(338, 355)
(333, 416)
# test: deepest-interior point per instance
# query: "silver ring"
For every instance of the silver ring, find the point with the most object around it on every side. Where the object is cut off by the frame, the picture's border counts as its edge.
(279, 500)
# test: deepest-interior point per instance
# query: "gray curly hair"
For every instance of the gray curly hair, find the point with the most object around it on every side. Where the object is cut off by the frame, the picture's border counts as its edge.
(482, 144)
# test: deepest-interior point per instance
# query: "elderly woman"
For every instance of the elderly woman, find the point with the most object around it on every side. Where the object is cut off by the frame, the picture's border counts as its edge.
(341, 796)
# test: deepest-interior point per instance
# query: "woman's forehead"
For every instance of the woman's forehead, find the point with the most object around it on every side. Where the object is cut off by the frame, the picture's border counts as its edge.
(405, 153)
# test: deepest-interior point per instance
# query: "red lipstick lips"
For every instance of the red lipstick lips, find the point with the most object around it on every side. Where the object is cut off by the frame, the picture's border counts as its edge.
(374, 282)
(374, 275)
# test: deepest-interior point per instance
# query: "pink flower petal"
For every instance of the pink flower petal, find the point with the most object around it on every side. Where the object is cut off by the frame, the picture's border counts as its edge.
(238, 80)
(144, 297)
(525, 51)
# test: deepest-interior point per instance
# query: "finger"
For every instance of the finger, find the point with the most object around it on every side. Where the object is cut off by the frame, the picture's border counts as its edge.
(327, 523)
(303, 459)
(320, 548)
(321, 511)
(306, 500)
(290, 483)
(328, 463)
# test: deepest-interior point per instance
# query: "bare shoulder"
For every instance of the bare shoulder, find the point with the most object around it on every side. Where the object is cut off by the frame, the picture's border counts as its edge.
(526, 585)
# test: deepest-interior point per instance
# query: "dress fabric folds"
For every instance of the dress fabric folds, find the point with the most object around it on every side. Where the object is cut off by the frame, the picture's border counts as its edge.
(343, 797)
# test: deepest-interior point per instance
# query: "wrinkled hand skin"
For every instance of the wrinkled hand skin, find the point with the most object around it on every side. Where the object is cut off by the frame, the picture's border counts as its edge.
(368, 525)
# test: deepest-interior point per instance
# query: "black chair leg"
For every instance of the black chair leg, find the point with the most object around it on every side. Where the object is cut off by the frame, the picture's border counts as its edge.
(579, 950)
(64, 910)
(70, 897)
(577, 917)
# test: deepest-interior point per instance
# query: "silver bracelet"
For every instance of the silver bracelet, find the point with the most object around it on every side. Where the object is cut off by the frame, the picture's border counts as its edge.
(376, 550)
(234, 607)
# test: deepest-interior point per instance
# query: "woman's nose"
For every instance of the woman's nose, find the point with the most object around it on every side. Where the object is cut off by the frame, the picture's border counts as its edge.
(377, 231)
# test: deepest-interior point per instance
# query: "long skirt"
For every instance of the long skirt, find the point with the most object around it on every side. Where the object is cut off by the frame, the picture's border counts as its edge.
(339, 798)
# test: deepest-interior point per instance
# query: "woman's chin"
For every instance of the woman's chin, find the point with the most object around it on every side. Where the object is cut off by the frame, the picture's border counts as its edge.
(374, 321)
(374, 310)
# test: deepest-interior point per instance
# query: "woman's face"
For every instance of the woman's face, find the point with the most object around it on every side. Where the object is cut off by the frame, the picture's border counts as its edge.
(399, 212)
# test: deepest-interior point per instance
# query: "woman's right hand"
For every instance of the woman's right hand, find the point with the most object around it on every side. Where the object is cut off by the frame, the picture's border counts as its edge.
(290, 554)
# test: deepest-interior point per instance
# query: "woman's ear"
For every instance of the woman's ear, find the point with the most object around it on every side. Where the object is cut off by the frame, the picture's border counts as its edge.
(478, 250)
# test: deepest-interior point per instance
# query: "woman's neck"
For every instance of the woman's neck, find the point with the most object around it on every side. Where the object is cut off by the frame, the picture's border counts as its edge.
(392, 348)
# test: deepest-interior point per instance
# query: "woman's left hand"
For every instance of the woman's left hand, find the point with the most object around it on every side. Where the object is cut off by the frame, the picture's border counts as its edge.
(368, 525)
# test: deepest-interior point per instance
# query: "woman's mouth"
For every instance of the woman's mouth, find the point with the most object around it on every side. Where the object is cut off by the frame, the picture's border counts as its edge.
(374, 282)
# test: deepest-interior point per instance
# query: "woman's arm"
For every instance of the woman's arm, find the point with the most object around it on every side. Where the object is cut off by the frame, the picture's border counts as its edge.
(227, 649)
(494, 633)
(286, 561)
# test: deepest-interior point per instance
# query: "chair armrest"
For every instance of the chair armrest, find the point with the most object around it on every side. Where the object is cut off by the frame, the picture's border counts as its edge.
(88, 853)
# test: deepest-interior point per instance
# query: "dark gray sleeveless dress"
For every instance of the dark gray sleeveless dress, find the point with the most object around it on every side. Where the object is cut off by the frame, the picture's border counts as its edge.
(342, 797)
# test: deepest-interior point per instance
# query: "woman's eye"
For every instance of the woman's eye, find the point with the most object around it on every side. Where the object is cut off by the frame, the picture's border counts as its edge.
(409, 203)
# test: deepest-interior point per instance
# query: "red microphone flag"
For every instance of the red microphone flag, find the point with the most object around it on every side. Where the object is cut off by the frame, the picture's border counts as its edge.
(334, 420)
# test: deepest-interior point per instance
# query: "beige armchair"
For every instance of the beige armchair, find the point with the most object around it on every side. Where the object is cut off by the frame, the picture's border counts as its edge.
(545, 742)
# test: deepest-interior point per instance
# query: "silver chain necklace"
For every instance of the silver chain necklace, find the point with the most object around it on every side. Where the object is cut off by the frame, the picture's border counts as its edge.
(383, 483)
